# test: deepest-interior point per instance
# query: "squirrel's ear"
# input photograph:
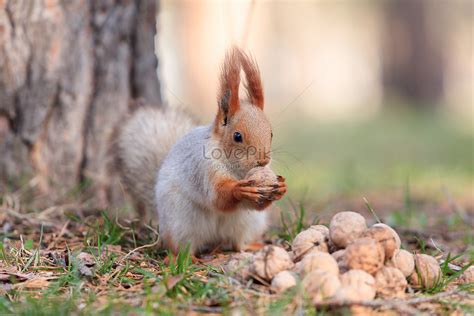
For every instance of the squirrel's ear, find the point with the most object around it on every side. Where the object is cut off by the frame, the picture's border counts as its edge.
(253, 83)
(228, 97)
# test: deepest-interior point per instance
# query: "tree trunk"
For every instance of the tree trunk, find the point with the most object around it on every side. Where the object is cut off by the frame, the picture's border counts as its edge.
(68, 72)
(413, 52)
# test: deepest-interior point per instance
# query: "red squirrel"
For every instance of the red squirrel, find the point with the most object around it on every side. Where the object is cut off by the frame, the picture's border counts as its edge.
(195, 176)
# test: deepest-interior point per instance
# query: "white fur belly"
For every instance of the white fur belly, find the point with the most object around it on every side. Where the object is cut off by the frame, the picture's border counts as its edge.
(242, 226)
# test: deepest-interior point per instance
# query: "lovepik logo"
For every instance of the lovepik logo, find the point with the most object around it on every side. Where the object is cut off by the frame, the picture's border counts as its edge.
(250, 152)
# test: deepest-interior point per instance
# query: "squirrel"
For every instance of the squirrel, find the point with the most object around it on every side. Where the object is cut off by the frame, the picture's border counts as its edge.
(195, 176)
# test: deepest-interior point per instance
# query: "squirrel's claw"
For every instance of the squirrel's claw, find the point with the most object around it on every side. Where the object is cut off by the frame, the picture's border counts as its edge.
(281, 179)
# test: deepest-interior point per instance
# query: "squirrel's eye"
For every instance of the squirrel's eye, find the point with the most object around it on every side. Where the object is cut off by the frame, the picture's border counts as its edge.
(272, 135)
(238, 137)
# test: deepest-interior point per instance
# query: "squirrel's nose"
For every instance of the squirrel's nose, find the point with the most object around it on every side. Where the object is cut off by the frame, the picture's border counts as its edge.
(263, 162)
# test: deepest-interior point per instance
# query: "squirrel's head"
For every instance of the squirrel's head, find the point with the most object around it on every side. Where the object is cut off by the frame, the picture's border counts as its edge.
(241, 127)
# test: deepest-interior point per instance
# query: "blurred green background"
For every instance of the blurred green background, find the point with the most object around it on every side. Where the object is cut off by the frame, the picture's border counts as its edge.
(385, 152)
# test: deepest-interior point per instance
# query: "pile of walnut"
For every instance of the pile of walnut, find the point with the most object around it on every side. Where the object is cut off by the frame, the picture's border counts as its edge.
(347, 261)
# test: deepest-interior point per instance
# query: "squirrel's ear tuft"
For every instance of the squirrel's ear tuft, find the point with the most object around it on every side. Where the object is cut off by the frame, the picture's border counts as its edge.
(253, 83)
(228, 97)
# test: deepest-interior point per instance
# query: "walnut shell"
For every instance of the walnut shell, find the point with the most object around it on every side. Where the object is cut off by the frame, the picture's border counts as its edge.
(427, 272)
(351, 294)
(346, 294)
(340, 257)
(321, 285)
(386, 236)
(361, 282)
(395, 234)
(317, 260)
(390, 283)
(403, 261)
(238, 265)
(308, 240)
(346, 227)
(365, 254)
(262, 176)
(322, 229)
(283, 281)
(270, 260)
(467, 276)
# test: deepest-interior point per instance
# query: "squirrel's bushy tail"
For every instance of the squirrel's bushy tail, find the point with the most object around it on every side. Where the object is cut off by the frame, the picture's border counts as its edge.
(141, 145)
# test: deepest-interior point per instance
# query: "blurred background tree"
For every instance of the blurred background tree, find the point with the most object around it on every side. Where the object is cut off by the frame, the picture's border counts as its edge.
(69, 70)
(413, 63)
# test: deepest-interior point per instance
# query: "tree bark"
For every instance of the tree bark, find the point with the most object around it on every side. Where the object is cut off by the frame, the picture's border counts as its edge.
(68, 72)
(412, 54)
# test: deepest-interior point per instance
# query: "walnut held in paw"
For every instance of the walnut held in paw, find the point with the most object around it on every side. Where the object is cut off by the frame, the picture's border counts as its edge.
(263, 176)
(266, 187)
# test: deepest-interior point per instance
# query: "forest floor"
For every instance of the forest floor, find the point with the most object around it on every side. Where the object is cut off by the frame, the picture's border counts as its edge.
(68, 260)
(417, 174)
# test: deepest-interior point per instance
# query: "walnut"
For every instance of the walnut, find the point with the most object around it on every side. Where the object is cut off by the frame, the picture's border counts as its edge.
(307, 241)
(356, 285)
(386, 236)
(322, 229)
(238, 265)
(283, 281)
(263, 176)
(403, 261)
(467, 276)
(317, 260)
(395, 234)
(270, 260)
(390, 283)
(427, 272)
(340, 257)
(320, 285)
(365, 254)
(345, 227)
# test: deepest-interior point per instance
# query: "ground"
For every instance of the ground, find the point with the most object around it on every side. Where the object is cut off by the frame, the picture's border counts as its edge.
(69, 258)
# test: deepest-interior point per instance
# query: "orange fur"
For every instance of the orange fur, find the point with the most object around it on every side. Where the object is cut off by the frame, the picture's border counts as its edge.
(225, 199)
(253, 82)
(228, 96)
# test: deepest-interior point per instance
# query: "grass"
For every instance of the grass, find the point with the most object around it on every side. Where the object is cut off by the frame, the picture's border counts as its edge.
(164, 286)
(293, 222)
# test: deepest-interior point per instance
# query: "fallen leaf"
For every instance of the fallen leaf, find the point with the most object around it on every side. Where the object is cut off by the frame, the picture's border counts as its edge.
(36, 284)
(172, 281)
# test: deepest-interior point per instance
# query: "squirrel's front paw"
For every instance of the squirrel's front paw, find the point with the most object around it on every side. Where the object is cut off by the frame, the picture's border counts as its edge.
(280, 190)
(261, 196)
